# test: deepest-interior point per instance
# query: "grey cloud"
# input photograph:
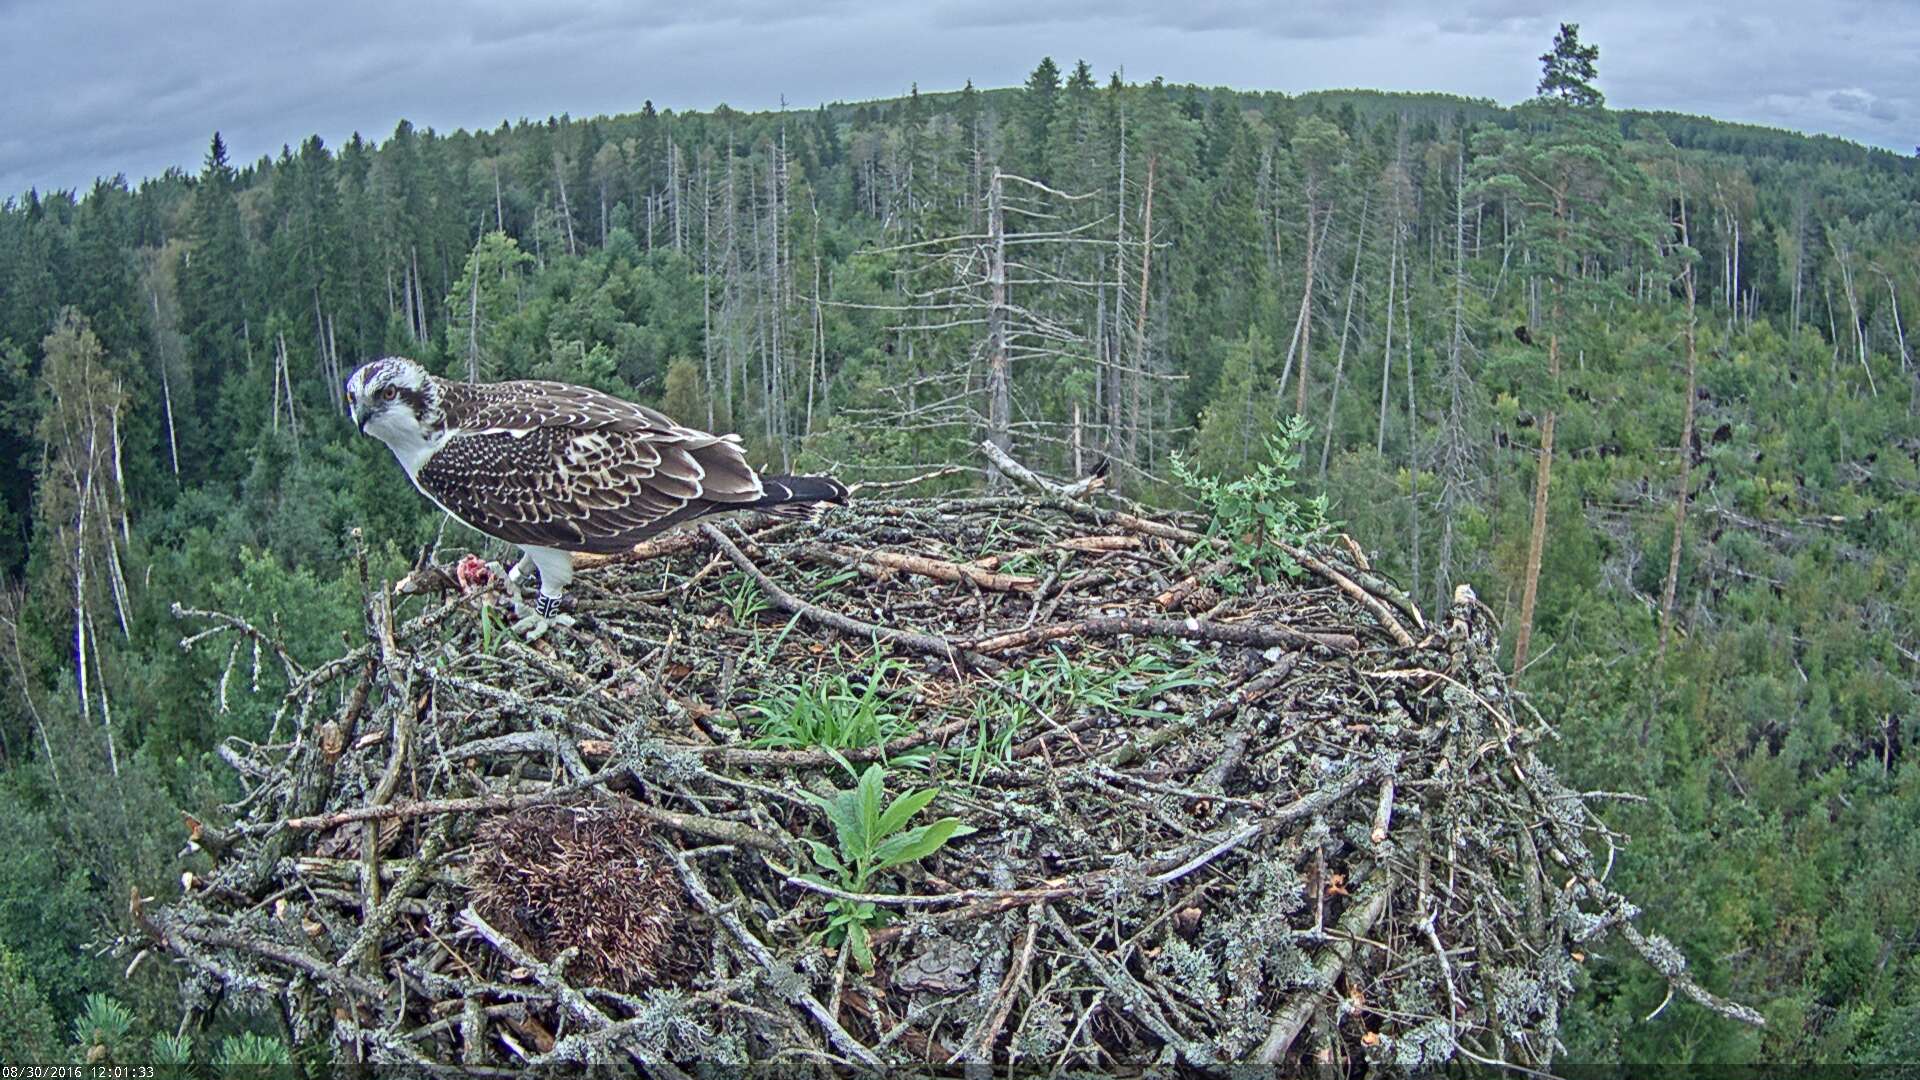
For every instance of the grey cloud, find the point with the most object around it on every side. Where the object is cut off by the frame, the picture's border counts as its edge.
(101, 86)
(1315, 19)
(1501, 17)
(1723, 27)
(1859, 101)
(1850, 100)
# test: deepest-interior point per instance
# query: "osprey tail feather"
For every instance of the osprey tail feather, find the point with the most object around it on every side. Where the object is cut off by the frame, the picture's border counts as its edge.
(792, 492)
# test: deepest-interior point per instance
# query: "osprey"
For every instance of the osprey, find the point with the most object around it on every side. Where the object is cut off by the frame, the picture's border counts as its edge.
(556, 468)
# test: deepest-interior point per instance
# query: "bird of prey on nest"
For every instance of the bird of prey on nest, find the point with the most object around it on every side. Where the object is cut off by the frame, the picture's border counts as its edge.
(556, 468)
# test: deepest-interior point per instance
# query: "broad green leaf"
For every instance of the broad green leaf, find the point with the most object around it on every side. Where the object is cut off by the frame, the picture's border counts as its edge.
(824, 858)
(873, 792)
(837, 756)
(902, 811)
(844, 811)
(862, 947)
(914, 844)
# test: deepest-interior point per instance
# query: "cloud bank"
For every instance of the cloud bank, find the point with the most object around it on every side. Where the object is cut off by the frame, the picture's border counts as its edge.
(98, 87)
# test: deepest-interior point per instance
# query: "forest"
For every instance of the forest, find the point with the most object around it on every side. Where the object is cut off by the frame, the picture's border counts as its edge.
(1642, 379)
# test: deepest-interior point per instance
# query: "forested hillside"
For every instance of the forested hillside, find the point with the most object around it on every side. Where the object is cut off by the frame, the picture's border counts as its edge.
(1643, 380)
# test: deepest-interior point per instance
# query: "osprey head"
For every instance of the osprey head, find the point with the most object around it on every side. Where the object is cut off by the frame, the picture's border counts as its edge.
(395, 400)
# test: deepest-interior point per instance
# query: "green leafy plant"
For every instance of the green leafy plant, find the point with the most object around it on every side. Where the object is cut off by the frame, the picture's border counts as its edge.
(1058, 686)
(1253, 512)
(835, 713)
(744, 601)
(871, 835)
(490, 628)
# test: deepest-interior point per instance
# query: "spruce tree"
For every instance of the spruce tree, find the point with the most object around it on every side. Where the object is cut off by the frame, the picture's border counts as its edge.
(1034, 116)
(213, 314)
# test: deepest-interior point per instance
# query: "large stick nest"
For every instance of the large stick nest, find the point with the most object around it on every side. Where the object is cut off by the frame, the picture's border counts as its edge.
(1300, 823)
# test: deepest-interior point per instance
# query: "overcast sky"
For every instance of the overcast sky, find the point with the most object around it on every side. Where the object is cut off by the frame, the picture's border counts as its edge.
(97, 87)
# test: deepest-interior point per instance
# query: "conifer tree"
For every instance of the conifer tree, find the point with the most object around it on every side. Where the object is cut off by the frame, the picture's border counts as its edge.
(1565, 174)
(1034, 117)
(213, 313)
(1568, 69)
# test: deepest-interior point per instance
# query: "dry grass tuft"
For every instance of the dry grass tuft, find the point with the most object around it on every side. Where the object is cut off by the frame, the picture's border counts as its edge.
(590, 878)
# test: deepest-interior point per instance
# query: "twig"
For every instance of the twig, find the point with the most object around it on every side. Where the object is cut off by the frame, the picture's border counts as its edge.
(1355, 925)
(1133, 997)
(784, 979)
(1351, 588)
(750, 757)
(547, 975)
(1669, 963)
(1258, 636)
(793, 605)
(284, 955)
(982, 1048)
(1312, 803)
(671, 544)
(1383, 813)
(430, 807)
(938, 569)
(1009, 897)
(1058, 496)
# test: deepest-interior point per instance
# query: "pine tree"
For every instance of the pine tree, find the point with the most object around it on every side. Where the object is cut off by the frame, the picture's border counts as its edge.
(1566, 176)
(1568, 69)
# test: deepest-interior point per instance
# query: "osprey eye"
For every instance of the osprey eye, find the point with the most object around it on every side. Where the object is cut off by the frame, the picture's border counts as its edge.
(388, 394)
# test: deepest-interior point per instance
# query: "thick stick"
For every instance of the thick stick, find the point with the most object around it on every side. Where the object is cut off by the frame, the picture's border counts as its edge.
(1259, 637)
(785, 980)
(1286, 1027)
(938, 569)
(801, 759)
(731, 832)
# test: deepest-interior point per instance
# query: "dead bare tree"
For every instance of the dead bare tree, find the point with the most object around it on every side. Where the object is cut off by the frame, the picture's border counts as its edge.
(157, 271)
(1454, 462)
(1843, 256)
(1680, 495)
(283, 389)
(1346, 328)
(1008, 297)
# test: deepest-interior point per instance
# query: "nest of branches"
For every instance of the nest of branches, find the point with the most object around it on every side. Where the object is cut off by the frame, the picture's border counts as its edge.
(1142, 815)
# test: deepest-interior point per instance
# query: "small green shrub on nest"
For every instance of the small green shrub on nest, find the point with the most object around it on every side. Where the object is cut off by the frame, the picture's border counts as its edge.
(1254, 511)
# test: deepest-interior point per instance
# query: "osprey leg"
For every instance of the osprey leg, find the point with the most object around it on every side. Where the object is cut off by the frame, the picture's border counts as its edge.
(556, 570)
(520, 568)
